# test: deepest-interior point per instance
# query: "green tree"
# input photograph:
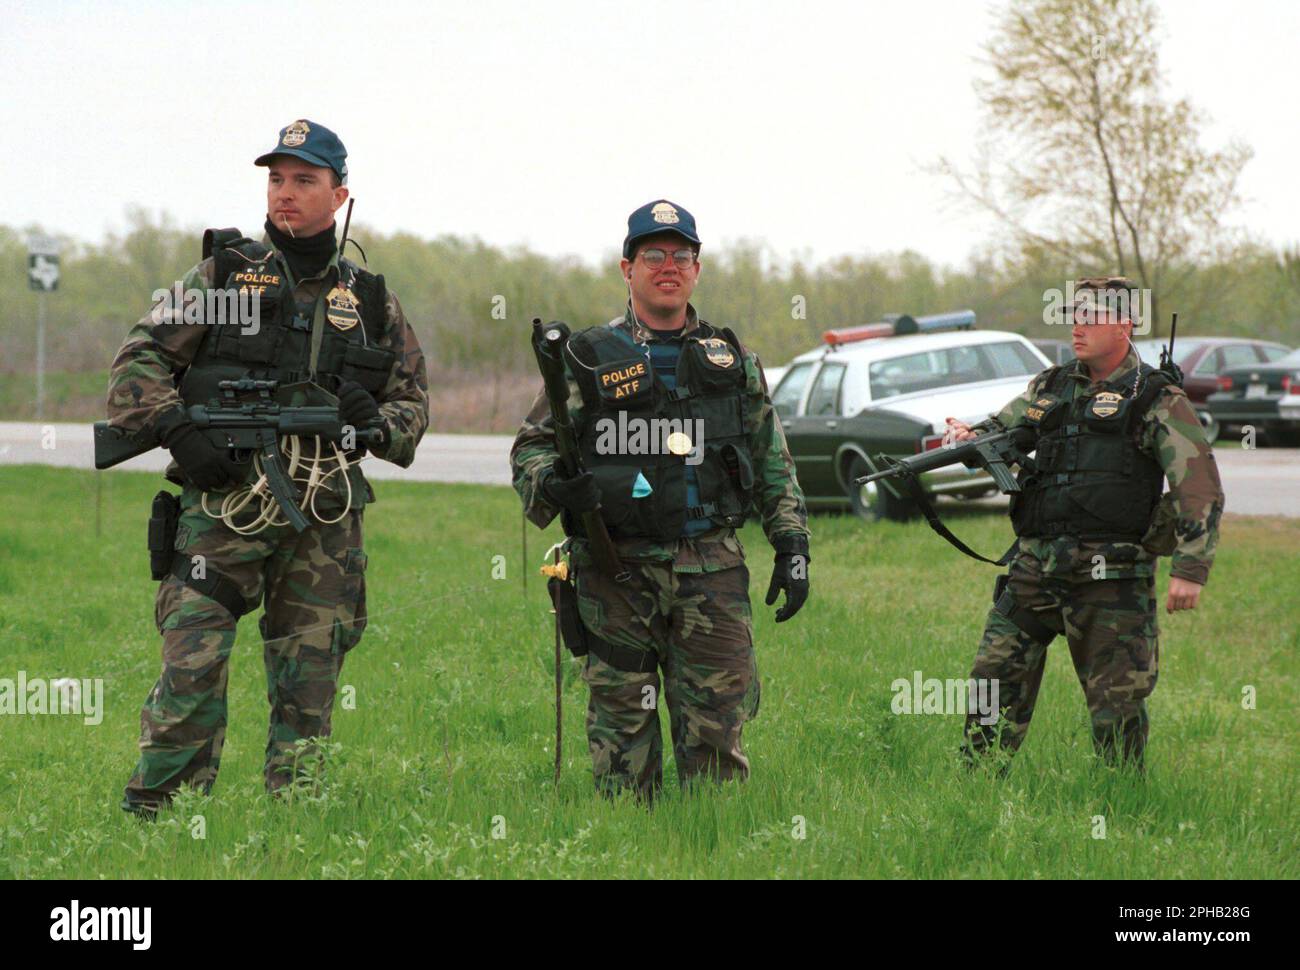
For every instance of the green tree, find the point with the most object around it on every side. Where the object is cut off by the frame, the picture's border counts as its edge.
(1093, 162)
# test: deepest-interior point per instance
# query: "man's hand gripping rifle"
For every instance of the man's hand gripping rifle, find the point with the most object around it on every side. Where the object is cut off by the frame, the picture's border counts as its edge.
(995, 452)
(253, 426)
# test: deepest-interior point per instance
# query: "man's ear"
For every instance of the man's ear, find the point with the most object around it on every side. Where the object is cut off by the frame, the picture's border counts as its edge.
(340, 196)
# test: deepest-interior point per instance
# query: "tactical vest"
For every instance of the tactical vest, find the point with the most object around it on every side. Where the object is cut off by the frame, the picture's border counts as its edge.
(628, 414)
(1089, 478)
(281, 347)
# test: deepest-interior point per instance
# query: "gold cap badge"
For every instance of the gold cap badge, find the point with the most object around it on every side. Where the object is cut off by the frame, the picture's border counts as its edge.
(664, 213)
(295, 134)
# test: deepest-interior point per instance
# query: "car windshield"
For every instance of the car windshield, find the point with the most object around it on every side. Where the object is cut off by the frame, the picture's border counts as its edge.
(929, 370)
(1290, 360)
(1149, 350)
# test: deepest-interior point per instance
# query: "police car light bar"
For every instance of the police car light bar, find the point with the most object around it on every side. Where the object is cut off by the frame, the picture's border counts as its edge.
(903, 325)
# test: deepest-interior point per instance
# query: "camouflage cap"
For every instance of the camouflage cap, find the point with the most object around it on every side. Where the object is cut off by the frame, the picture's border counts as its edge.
(313, 143)
(1113, 293)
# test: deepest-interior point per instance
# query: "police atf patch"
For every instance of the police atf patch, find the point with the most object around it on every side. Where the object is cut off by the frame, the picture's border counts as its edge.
(623, 380)
(664, 213)
(341, 309)
(295, 134)
(718, 351)
(1106, 403)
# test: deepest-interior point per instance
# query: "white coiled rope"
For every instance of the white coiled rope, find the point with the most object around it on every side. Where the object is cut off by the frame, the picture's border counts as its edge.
(309, 475)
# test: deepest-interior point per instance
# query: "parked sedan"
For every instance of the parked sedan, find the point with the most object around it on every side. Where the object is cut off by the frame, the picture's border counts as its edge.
(1203, 359)
(845, 403)
(1265, 396)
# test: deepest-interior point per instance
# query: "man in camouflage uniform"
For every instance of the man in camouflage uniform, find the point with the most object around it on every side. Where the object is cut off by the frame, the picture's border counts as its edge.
(322, 319)
(672, 512)
(1090, 526)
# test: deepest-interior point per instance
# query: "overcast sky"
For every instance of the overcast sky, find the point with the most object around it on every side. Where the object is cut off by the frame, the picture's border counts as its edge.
(802, 124)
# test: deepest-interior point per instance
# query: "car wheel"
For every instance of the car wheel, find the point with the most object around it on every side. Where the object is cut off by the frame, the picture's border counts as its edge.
(873, 502)
(1210, 424)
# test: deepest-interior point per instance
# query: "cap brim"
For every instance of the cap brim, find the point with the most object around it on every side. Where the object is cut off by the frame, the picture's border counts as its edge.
(296, 153)
(631, 241)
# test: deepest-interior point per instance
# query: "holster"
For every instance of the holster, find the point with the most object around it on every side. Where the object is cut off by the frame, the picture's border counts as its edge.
(162, 533)
(1024, 619)
(580, 641)
(564, 597)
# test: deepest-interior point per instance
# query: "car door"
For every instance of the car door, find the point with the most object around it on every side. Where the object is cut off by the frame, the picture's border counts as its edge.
(819, 433)
(1202, 379)
(787, 401)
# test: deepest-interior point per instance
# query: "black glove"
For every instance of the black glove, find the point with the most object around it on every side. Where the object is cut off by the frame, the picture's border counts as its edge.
(202, 462)
(790, 573)
(356, 405)
(578, 495)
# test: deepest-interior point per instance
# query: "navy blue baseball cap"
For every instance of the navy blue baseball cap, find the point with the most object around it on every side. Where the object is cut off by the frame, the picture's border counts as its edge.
(312, 143)
(656, 217)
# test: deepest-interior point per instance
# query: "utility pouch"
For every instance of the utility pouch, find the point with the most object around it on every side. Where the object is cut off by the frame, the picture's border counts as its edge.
(162, 534)
(564, 597)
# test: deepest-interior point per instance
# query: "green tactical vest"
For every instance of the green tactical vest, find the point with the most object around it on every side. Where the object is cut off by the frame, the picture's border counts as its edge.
(281, 349)
(1090, 480)
(621, 393)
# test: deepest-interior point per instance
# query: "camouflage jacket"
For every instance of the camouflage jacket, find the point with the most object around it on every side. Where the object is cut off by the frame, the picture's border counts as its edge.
(777, 497)
(1172, 434)
(142, 384)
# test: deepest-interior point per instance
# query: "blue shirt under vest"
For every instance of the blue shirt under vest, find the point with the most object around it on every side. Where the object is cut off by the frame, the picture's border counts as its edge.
(665, 350)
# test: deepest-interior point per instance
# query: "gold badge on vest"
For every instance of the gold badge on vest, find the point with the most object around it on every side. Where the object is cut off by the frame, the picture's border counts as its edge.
(1106, 403)
(341, 308)
(718, 351)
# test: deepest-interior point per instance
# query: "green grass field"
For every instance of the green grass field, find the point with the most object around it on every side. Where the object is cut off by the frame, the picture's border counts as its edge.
(452, 733)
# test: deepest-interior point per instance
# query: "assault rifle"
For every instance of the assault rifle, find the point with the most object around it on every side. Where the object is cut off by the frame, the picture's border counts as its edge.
(995, 452)
(549, 342)
(253, 426)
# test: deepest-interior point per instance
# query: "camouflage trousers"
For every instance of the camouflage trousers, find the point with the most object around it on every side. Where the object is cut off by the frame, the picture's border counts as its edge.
(699, 627)
(313, 587)
(1111, 629)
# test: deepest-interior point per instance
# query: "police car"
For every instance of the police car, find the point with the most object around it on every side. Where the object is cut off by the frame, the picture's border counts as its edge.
(887, 387)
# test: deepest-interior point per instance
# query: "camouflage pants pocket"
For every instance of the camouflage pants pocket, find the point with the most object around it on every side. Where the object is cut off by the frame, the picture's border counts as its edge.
(352, 620)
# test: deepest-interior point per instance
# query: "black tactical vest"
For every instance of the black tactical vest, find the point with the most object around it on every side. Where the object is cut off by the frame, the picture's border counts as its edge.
(1089, 478)
(281, 347)
(622, 399)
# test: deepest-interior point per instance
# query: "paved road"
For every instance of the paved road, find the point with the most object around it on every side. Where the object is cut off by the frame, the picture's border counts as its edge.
(1263, 481)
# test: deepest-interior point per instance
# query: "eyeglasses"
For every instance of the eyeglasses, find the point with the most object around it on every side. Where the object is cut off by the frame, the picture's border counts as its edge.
(654, 257)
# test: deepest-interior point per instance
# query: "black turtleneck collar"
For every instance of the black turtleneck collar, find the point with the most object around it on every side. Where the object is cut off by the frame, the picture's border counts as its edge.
(307, 255)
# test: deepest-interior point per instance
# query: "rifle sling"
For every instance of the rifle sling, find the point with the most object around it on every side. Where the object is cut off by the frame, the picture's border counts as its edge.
(932, 517)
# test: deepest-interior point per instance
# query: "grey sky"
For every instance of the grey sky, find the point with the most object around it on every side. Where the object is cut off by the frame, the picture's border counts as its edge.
(802, 124)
